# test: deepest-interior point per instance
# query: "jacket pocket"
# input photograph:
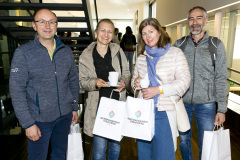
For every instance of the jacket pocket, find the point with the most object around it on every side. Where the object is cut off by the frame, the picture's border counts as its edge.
(207, 87)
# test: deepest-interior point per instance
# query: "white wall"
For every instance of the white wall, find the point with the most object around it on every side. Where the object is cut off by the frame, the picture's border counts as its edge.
(141, 14)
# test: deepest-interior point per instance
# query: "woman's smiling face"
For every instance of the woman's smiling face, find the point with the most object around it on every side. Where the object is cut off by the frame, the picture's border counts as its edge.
(105, 33)
(150, 36)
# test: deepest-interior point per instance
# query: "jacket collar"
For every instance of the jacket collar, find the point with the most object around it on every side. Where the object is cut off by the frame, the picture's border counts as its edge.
(205, 38)
(59, 43)
(114, 47)
(87, 58)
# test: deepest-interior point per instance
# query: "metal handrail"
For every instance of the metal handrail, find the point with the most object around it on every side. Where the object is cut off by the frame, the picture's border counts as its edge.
(234, 70)
(230, 79)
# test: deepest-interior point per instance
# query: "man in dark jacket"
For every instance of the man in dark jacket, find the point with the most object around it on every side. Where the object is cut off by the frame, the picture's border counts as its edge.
(44, 88)
(208, 84)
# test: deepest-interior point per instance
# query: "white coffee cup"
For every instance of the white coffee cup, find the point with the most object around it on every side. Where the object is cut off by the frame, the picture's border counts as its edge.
(144, 83)
(113, 78)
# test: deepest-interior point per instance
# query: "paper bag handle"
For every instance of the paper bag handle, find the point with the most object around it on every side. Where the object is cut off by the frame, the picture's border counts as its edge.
(74, 128)
(218, 126)
(134, 94)
(119, 95)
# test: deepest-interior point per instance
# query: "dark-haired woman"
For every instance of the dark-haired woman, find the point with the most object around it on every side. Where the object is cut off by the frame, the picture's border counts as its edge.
(168, 73)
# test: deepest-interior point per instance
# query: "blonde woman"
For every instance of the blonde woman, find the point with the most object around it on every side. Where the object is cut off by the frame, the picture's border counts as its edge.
(95, 63)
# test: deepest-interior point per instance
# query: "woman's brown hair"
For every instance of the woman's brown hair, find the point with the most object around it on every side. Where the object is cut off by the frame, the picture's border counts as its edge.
(163, 40)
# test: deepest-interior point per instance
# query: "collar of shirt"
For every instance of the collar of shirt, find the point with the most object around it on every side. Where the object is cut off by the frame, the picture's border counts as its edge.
(196, 43)
(52, 51)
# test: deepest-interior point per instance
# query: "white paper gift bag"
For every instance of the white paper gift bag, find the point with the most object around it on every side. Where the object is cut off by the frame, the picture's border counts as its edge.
(109, 119)
(216, 145)
(75, 150)
(139, 119)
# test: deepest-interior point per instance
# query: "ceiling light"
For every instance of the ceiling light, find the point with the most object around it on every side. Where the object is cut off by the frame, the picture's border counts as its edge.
(176, 22)
(231, 4)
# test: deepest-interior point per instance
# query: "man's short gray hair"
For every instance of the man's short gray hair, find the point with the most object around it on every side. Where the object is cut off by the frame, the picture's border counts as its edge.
(198, 7)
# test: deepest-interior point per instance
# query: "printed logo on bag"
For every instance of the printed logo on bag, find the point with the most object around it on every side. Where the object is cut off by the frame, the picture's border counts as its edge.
(111, 114)
(136, 121)
(138, 114)
(110, 121)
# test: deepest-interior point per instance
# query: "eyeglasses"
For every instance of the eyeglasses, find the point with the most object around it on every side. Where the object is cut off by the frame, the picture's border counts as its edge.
(43, 23)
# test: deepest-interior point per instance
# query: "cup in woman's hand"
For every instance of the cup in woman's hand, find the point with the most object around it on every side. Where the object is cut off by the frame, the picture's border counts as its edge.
(144, 83)
(113, 78)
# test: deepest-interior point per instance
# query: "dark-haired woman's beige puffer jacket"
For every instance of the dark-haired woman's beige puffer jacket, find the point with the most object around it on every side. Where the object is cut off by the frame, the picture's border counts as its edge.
(173, 71)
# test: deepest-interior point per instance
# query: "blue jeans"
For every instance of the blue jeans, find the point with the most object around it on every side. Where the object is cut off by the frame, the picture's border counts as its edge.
(100, 147)
(129, 56)
(205, 117)
(161, 147)
(57, 131)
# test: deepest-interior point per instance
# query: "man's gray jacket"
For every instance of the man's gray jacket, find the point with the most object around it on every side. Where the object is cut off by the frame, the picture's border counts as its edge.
(43, 90)
(207, 85)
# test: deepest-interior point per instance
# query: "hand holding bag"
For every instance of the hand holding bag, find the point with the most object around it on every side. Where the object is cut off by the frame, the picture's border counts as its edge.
(109, 119)
(75, 150)
(216, 145)
(183, 123)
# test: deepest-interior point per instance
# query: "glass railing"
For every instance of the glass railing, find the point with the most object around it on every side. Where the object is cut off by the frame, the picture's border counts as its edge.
(8, 44)
(7, 116)
(234, 92)
(234, 84)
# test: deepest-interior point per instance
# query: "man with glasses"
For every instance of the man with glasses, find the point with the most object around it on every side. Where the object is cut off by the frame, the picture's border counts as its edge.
(44, 89)
(208, 68)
